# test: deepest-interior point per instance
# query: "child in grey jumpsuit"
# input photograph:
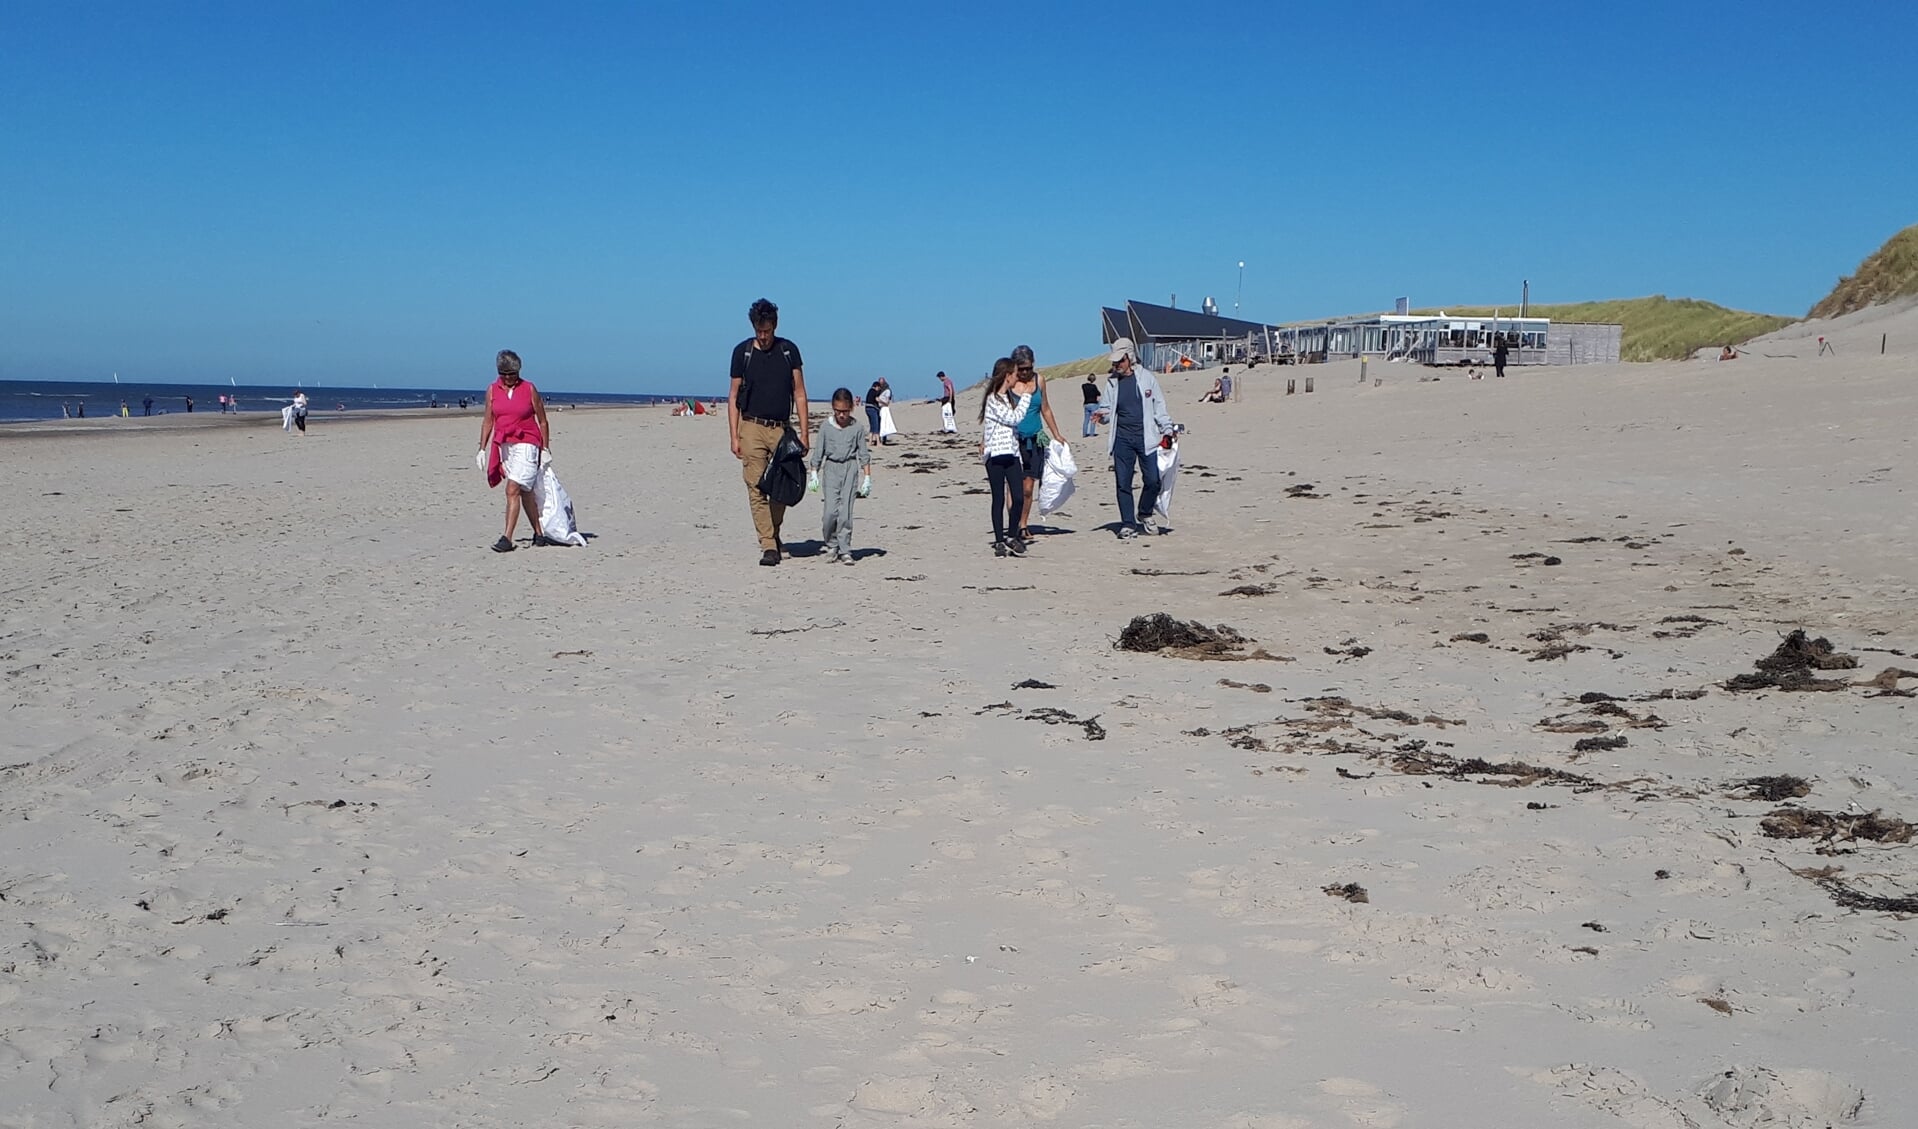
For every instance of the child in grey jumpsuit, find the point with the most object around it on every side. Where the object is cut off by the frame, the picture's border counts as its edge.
(842, 457)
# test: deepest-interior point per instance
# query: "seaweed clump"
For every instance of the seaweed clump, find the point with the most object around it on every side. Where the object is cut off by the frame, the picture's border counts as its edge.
(1828, 826)
(1772, 788)
(1160, 633)
(1790, 666)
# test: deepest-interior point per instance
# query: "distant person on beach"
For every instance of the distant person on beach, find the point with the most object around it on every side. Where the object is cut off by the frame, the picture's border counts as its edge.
(1499, 352)
(189, 404)
(222, 403)
(1037, 429)
(1220, 392)
(82, 412)
(299, 410)
(1090, 390)
(146, 405)
(1728, 353)
(768, 385)
(999, 415)
(1139, 422)
(948, 406)
(842, 456)
(513, 432)
(872, 406)
(125, 411)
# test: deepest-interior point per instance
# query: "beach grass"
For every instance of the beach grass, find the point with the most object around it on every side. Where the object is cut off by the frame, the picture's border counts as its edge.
(1887, 273)
(1656, 328)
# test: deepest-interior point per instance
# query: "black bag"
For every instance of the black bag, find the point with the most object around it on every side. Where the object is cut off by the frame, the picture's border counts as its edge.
(784, 481)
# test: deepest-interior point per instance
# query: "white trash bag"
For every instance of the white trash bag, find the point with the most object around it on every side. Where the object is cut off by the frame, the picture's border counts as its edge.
(1168, 470)
(555, 505)
(1056, 481)
(886, 427)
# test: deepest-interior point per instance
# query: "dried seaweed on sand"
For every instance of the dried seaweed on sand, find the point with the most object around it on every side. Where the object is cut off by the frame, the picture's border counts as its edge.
(1789, 667)
(1161, 634)
(1827, 826)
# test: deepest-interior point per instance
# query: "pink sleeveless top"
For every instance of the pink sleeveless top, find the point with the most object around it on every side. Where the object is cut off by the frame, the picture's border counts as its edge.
(513, 420)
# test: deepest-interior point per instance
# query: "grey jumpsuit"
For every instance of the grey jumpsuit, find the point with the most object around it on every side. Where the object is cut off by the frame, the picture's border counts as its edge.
(842, 456)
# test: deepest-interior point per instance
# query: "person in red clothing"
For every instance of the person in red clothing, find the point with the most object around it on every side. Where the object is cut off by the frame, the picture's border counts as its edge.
(513, 432)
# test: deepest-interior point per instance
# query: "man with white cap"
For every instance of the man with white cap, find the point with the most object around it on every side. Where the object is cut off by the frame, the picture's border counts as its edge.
(1139, 421)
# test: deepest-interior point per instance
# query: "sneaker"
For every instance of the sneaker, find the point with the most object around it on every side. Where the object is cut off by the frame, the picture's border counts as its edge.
(503, 545)
(1127, 533)
(769, 557)
(847, 559)
(1152, 529)
(1015, 546)
(999, 548)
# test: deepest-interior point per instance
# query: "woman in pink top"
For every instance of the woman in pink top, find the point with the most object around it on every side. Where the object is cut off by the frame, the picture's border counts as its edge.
(512, 433)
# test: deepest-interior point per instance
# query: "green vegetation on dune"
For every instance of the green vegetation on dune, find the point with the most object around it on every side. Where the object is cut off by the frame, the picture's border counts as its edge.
(1656, 328)
(1084, 365)
(1890, 272)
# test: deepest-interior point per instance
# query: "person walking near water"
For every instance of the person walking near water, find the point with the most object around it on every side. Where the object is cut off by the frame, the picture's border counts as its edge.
(146, 406)
(768, 384)
(842, 457)
(999, 414)
(1499, 352)
(299, 410)
(513, 432)
(1139, 422)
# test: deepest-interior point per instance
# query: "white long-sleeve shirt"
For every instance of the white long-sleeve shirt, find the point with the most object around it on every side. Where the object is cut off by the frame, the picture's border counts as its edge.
(1002, 420)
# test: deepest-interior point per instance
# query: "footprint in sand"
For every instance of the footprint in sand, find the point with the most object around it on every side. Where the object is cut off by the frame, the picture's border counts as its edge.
(1360, 1102)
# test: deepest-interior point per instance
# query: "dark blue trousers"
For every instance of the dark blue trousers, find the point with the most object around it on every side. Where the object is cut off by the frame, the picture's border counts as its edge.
(1128, 451)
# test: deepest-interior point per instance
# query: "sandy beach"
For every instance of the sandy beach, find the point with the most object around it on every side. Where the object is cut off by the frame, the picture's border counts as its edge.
(313, 810)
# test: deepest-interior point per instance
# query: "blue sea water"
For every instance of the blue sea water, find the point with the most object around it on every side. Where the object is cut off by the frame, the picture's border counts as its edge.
(51, 399)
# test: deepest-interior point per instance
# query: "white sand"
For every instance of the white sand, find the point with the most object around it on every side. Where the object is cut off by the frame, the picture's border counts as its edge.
(320, 812)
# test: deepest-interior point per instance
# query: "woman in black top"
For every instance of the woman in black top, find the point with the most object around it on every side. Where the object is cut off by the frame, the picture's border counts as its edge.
(1091, 391)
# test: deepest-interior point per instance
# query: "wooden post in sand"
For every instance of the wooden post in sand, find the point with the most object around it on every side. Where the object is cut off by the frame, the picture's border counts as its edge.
(1291, 386)
(1308, 384)
(1362, 364)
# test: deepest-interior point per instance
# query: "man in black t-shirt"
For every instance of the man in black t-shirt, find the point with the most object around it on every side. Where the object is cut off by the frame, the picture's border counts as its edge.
(768, 383)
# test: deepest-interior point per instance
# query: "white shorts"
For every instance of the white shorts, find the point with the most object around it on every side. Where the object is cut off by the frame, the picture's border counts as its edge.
(520, 462)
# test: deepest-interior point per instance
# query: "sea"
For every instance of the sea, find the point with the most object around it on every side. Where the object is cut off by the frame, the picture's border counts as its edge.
(56, 399)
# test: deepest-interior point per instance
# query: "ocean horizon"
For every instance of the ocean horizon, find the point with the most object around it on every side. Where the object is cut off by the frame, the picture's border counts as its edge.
(26, 400)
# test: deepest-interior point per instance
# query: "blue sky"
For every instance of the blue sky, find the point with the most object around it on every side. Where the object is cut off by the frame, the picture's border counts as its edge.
(389, 193)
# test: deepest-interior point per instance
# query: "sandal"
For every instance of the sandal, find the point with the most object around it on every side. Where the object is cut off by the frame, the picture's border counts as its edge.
(503, 545)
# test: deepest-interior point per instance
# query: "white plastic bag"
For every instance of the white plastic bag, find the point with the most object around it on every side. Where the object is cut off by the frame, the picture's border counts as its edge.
(1056, 482)
(886, 428)
(947, 423)
(555, 505)
(1168, 470)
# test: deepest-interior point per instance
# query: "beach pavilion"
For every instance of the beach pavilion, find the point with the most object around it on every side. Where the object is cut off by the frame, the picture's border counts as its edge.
(1168, 337)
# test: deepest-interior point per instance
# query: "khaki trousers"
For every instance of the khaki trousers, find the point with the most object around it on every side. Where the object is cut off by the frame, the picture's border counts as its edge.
(757, 442)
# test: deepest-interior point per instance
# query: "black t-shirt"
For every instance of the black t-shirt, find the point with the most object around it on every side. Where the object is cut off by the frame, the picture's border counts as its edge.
(766, 377)
(872, 394)
(1090, 390)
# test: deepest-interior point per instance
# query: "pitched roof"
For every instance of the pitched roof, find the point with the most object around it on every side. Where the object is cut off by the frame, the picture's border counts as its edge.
(1164, 323)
